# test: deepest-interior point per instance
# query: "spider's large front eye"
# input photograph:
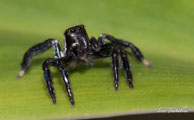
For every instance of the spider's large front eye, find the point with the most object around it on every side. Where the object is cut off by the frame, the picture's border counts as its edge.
(72, 30)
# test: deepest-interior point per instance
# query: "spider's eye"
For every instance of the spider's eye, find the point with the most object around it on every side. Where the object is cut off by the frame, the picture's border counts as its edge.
(79, 28)
(72, 30)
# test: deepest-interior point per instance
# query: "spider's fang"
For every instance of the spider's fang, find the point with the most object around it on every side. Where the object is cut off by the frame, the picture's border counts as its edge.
(146, 63)
(21, 73)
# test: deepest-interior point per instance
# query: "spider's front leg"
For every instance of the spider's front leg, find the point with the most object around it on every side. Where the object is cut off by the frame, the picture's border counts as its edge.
(37, 49)
(48, 79)
(135, 50)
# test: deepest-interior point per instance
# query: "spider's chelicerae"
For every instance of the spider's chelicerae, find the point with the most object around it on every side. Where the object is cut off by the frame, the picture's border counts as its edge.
(78, 48)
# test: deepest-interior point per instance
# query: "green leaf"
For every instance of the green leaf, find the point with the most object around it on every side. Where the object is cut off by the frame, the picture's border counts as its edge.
(162, 29)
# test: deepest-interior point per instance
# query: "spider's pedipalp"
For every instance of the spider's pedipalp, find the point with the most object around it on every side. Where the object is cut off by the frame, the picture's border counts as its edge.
(94, 44)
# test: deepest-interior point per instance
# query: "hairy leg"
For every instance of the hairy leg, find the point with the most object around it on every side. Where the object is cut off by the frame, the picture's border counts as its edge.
(48, 78)
(37, 49)
(67, 83)
(135, 50)
(109, 49)
(60, 63)
(126, 67)
(115, 66)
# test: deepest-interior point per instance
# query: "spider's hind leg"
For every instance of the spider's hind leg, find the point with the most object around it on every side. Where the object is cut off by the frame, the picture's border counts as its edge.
(108, 50)
(126, 67)
(124, 43)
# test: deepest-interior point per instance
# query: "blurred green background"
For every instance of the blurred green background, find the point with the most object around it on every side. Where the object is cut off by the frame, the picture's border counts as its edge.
(162, 29)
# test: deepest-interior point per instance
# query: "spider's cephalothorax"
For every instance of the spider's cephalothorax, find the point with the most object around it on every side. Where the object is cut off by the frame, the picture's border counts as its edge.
(77, 41)
(79, 48)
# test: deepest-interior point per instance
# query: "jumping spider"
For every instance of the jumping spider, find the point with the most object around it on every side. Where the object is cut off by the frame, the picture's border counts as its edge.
(79, 48)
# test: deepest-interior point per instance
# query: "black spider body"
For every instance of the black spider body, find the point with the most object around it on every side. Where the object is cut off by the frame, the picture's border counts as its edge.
(78, 47)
